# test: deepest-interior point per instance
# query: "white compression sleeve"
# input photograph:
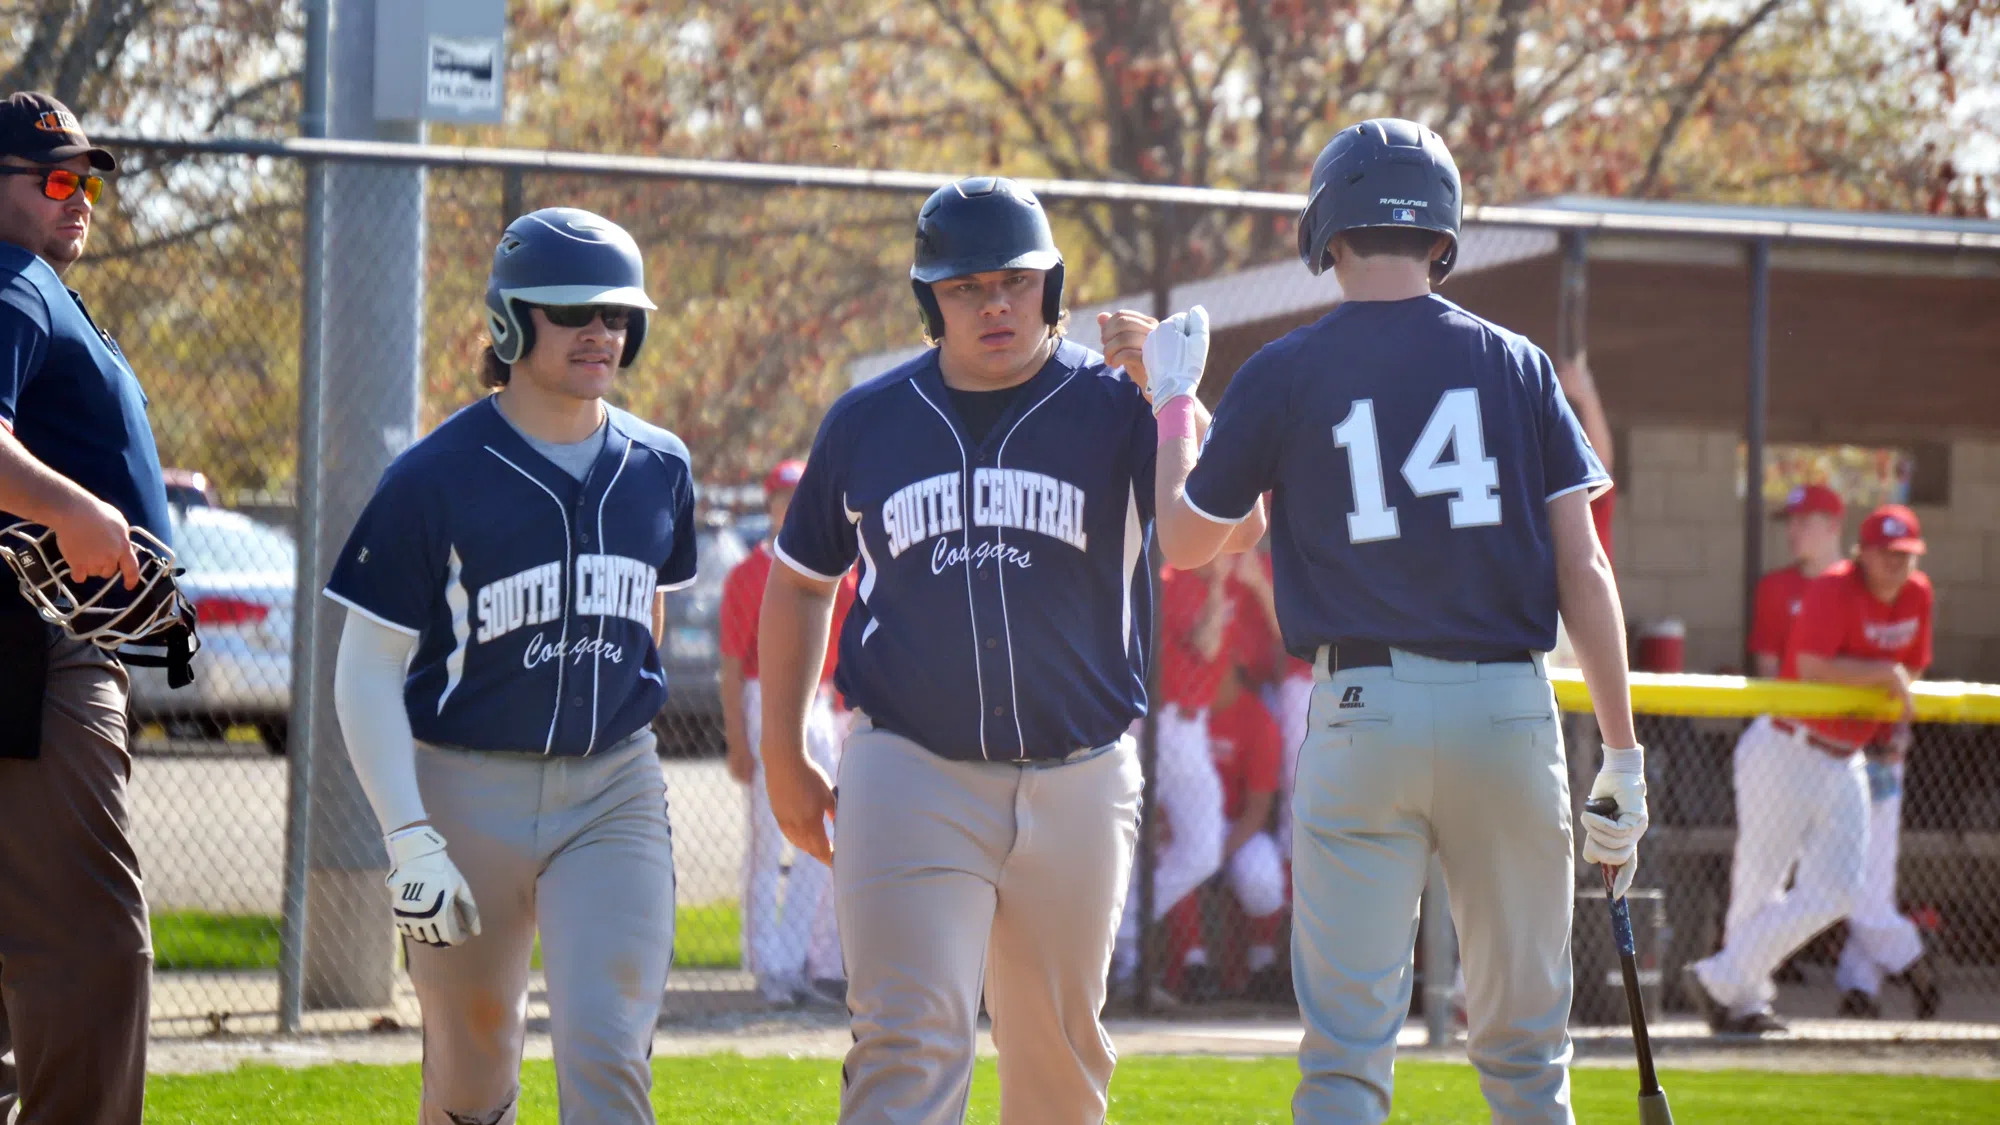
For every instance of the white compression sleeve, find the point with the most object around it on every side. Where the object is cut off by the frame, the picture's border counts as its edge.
(368, 696)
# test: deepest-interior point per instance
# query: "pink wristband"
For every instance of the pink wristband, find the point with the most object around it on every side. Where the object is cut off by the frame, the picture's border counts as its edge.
(1176, 419)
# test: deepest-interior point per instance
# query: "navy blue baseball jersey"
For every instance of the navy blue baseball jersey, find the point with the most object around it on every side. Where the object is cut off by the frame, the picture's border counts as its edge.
(530, 593)
(1003, 605)
(1412, 449)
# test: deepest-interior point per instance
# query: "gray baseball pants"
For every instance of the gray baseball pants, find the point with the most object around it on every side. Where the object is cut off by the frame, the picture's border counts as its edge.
(1467, 760)
(950, 876)
(579, 849)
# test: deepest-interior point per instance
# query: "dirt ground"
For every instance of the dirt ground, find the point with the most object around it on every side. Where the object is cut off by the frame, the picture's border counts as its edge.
(809, 1036)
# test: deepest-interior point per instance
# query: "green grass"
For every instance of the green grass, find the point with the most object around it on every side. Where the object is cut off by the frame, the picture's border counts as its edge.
(197, 940)
(705, 937)
(728, 1089)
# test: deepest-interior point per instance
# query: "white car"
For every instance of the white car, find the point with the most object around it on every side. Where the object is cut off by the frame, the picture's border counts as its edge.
(240, 575)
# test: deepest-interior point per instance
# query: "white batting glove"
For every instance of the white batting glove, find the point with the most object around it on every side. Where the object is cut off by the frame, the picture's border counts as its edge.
(1176, 352)
(431, 900)
(1615, 840)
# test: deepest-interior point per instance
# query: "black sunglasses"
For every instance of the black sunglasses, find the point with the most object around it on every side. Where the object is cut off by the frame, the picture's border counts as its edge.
(617, 318)
(60, 183)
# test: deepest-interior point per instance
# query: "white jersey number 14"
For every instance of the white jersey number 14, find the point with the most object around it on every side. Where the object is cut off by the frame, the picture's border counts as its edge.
(1471, 477)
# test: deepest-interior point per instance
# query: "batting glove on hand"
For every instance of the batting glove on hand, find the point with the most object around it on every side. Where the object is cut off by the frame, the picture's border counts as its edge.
(1615, 840)
(1175, 353)
(431, 900)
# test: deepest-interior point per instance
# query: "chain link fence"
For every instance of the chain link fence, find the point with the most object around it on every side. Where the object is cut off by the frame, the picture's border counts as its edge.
(767, 296)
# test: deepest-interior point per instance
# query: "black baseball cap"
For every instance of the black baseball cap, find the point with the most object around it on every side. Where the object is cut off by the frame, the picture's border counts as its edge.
(37, 127)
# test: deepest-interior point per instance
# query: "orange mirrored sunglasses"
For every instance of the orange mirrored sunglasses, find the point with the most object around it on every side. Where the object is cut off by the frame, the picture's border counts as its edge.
(61, 183)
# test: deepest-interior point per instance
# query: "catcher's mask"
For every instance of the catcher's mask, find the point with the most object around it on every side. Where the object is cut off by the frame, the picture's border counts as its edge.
(153, 614)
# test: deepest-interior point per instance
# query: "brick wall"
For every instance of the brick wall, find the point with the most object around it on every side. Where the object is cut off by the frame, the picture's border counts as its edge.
(1679, 546)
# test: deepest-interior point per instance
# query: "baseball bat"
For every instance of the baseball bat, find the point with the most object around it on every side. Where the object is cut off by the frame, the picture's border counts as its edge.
(1653, 1108)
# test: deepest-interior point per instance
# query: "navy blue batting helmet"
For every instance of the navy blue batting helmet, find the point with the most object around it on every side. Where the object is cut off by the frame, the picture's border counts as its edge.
(979, 224)
(1385, 172)
(563, 256)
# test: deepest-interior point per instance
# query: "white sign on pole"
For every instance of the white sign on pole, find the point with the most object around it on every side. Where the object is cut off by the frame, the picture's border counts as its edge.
(463, 73)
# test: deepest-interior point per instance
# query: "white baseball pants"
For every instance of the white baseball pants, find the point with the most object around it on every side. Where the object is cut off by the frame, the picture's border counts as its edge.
(1880, 941)
(1795, 804)
(787, 944)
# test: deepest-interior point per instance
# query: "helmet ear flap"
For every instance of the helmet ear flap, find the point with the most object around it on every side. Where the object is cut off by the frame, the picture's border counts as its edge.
(933, 315)
(635, 335)
(513, 333)
(1441, 266)
(1313, 238)
(1052, 292)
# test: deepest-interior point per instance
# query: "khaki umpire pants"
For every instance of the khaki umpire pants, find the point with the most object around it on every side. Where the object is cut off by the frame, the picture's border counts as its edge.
(76, 954)
(952, 875)
(1466, 760)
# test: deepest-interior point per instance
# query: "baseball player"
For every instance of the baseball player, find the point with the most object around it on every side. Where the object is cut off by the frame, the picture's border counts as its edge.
(76, 456)
(512, 561)
(795, 954)
(1802, 785)
(1195, 628)
(1431, 516)
(1284, 681)
(1812, 515)
(1244, 740)
(996, 491)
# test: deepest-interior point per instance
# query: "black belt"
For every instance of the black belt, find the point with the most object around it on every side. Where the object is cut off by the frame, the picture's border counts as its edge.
(1343, 655)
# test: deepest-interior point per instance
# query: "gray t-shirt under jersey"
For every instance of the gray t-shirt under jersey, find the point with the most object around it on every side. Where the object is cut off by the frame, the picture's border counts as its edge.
(574, 458)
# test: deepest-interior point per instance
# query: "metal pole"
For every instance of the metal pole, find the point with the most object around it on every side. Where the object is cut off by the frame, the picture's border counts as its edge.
(1753, 435)
(374, 302)
(512, 194)
(305, 679)
(1573, 298)
(1149, 725)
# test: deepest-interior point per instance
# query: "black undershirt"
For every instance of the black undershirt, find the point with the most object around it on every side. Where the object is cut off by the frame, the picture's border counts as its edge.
(980, 411)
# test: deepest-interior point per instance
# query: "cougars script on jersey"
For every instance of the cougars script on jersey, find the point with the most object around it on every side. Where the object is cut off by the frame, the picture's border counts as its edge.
(530, 593)
(1003, 589)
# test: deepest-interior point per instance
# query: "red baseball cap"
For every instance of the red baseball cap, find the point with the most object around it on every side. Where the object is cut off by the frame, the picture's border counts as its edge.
(784, 474)
(1813, 498)
(1894, 527)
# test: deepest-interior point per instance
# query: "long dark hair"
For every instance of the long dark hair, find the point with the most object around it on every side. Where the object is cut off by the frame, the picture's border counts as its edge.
(493, 373)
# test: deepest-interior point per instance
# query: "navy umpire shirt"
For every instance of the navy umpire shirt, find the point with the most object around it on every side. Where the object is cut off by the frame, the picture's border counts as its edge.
(67, 393)
(1004, 599)
(1413, 449)
(530, 593)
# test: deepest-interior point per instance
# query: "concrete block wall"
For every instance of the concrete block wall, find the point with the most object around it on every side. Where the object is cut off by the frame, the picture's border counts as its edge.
(1679, 547)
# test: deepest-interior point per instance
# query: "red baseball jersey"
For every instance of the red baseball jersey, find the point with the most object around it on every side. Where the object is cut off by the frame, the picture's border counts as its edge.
(743, 602)
(1602, 508)
(1244, 740)
(1258, 649)
(1840, 617)
(1187, 678)
(1780, 594)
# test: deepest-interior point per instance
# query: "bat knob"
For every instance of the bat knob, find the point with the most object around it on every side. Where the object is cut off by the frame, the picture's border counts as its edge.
(1601, 806)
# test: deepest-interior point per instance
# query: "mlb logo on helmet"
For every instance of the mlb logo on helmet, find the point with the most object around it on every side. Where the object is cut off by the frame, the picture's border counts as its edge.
(1403, 214)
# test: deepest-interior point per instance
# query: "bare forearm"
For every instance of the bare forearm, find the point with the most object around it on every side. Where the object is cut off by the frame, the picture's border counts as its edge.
(1187, 539)
(1256, 813)
(1848, 670)
(32, 490)
(791, 650)
(735, 734)
(1590, 608)
(1768, 665)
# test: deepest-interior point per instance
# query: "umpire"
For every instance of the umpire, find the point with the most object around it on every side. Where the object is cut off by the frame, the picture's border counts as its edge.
(76, 454)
